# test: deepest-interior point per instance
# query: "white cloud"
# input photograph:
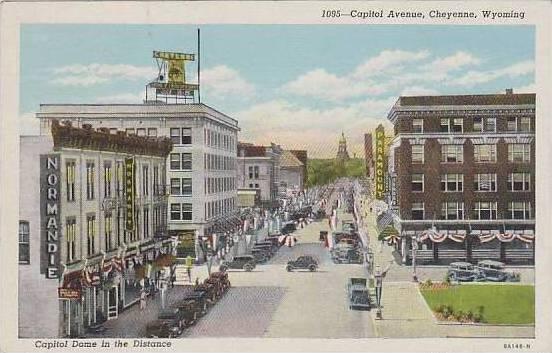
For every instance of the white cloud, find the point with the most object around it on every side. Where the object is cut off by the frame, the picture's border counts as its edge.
(314, 129)
(29, 124)
(530, 88)
(452, 62)
(92, 74)
(472, 78)
(386, 60)
(223, 81)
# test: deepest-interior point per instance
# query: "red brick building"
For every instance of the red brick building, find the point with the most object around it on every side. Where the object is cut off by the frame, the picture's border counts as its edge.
(464, 168)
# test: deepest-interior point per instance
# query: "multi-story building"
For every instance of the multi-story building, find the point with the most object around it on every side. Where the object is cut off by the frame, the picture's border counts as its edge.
(92, 219)
(259, 168)
(465, 176)
(291, 172)
(368, 155)
(201, 173)
(303, 157)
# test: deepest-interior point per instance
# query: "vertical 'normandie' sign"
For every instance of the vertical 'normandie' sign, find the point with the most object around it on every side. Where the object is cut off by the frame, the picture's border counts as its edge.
(50, 209)
(380, 162)
(129, 193)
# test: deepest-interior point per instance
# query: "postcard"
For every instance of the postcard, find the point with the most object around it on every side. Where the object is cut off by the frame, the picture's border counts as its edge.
(275, 176)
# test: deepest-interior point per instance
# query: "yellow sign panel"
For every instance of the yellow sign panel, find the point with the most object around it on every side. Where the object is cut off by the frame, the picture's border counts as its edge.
(167, 55)
(380, 163)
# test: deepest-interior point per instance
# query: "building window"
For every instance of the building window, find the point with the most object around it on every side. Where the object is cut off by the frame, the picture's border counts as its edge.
(417, 182)
(484, 182)
(484, 124)
(187, 186)
(251, 186)
(156, 186)
(256, 186)
(175, 161)
(417, 210)
(70, 174)
(175, 135)
(452, 182)
(250, 172)
(24, 250)
(452, 210)
(141, 132)
(175, 186)
(417, 126)
(457, 125)
(186, 136)
(107, 179)
(445, 125)
(485, 210)
(519, 152)
(452, 153)
(175, 211)
(525, 124)
(146, 222)
(519, 181)
(129, 131)
(256, 171)
(90, 235)
(511, 123)
(90, 171)
(186, 211)
(186, 161)
(519, 210)
(152, 132)
(108, 225)
(484, 153)
(145, 180)
(70, 235)
(181, 212)
(418, 154)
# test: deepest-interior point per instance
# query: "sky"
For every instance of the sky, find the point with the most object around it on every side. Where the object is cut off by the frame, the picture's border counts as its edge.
(299, 86)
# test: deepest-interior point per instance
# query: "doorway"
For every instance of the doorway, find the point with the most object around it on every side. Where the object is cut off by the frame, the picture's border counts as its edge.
(113, 303)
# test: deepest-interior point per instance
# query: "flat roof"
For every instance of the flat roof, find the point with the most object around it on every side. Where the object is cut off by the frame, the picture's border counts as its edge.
(471, 99)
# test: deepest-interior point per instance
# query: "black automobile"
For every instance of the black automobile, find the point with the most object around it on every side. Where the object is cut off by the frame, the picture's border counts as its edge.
(260, 255)
(245, 262)
(289, 227)
(302, 262)
(169, 324)
(200, 300)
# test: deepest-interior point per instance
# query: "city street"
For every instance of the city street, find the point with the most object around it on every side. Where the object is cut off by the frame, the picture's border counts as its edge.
(271, 302)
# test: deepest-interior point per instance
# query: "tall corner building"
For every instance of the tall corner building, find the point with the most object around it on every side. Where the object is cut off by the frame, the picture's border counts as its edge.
(465, 171)
(201, 168)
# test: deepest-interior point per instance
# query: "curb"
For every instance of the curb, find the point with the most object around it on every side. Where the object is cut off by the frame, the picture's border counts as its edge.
(446, 323)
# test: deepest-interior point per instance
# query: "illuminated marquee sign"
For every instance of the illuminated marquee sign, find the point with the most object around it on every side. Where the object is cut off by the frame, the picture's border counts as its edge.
(380, 163)
(50, 209)
(129, 193)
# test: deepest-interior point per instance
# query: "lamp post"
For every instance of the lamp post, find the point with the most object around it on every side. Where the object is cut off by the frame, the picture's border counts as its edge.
(379, 287)
(414, 250)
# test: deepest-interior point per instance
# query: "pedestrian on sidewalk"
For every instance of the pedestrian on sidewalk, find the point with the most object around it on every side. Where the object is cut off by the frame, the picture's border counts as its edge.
(143, 299)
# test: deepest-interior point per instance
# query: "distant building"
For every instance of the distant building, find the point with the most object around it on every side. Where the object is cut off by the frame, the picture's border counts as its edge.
(249, 198)
(342, 154)
(464, 167)
(368, 154)
(291, 172)
(258, 167)
(93, 215)
(302, 155)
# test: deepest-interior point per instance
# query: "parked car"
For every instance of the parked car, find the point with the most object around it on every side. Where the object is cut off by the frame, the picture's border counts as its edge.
(345, 253)
(358, 294)
(210, 291)
(260, 255)
(495, 271)
(169, 324)
(200, 300)
(245, 262)
(190, 310)
(302, 262)
(220, 281)
(288, 227)
(462, 272)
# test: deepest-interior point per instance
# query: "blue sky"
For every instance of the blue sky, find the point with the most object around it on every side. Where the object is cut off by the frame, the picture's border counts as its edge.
(297, 85)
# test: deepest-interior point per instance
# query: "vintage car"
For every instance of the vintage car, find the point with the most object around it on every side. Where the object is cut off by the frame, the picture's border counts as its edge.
(260, 255)
(495, 271)
(288, 227)
(245, 262)
(210, 291)
(199, 298)
(302, 262)
(221, 283)
(169, 324)
(344, 253)
(223, 278)
(358, 294)
(190, 310)
(462, 272)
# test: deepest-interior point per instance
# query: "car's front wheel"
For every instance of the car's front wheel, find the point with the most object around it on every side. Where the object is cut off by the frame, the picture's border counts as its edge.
(312, 268)
(248, 267)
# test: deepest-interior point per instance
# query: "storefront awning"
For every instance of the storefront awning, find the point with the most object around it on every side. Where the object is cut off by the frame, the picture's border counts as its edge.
(525, 235)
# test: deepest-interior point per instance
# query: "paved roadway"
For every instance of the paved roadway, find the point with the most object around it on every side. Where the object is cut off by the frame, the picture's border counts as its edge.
(271, 302)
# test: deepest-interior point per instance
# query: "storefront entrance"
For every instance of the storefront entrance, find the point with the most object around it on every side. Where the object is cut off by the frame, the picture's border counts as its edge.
(113, 303)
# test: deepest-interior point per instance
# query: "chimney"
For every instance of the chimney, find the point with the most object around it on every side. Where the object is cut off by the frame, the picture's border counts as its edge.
(509, 91)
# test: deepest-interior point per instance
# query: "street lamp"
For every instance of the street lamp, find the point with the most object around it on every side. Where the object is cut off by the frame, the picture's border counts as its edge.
(379, 287)
(414, 250)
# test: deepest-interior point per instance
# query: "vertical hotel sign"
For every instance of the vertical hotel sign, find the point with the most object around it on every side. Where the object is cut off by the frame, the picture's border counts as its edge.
(50, 209)
(380, 163)
(129, 193)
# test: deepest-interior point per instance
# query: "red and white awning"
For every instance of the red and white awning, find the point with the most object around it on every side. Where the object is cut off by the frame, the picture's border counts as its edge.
(439, 236)
(525, 235)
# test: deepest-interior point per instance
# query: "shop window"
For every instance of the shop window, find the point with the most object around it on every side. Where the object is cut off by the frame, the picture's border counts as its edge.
(152, 132)
(141, 132)
(129, 131)
(519, 181)
(484, 182)
(24, 250)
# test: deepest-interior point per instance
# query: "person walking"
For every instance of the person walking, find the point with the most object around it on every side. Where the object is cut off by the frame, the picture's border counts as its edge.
(143, 299)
